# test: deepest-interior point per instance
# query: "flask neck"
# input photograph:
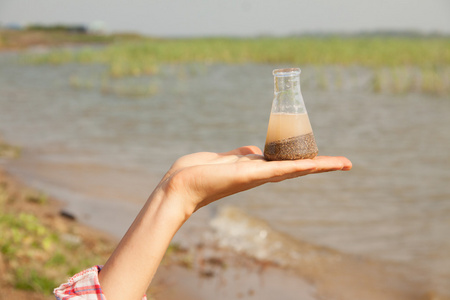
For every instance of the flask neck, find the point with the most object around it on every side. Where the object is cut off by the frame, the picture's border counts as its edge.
(286, 84)
(287, 93)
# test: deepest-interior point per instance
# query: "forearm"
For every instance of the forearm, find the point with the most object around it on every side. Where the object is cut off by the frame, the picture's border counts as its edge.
(130, 269)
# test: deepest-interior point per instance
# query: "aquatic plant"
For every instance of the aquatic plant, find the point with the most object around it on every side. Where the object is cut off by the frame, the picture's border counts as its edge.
(435, 80)
(8, 151)
(108, 86)
(377, 81)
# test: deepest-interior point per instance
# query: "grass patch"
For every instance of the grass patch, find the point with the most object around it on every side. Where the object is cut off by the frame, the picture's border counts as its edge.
(36, 253)
(38, 198)
(429, 56)
(144, 55)
(8, 151)
(32, 280)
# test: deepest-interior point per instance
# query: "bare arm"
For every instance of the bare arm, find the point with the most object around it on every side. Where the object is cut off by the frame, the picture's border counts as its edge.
(192, 182)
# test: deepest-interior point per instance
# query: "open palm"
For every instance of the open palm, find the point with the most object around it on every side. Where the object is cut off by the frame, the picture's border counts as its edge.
(204, 177)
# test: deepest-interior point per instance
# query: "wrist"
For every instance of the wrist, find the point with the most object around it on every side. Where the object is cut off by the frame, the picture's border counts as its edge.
(174, 198)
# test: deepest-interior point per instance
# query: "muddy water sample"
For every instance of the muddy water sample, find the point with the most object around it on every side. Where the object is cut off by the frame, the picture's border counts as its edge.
(289, 134)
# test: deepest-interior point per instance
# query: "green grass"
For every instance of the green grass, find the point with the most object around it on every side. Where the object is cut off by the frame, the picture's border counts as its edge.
(429, 55)
(143, 56)
(37, 256)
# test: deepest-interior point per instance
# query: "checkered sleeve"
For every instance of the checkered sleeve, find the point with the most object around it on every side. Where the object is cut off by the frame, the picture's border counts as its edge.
(82, 286)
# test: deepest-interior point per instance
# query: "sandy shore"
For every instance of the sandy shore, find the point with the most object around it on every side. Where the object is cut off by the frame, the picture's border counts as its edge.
(221, 274)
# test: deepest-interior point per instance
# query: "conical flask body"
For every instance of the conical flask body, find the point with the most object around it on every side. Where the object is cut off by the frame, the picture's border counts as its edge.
(289, 133)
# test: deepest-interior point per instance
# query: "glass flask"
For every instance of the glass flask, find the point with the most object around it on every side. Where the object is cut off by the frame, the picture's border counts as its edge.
(289, 134)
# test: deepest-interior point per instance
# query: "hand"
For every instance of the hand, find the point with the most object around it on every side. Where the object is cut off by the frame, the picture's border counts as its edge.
(201, 178)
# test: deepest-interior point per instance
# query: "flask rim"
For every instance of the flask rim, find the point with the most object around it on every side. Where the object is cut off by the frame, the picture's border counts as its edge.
(286, 72)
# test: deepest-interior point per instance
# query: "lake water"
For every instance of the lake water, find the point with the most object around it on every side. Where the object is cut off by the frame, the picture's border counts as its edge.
(382, 227)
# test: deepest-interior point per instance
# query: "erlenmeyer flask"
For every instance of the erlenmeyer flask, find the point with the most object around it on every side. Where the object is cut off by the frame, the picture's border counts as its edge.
(289, 134)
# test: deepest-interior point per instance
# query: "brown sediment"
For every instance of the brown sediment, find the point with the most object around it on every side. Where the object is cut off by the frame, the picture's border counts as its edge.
(298, 147)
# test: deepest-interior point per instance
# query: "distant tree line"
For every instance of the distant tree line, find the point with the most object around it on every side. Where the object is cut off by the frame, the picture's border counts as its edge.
(59, 27)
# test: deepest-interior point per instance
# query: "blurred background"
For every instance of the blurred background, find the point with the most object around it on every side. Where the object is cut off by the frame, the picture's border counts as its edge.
(246, 18)
(97, 99)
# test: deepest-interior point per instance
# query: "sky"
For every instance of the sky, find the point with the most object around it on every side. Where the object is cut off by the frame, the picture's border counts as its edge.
(184, 18)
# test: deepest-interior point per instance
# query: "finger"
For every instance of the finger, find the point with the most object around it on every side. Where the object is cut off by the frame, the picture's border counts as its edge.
(339, 163)
(280, 170)
(254, 169)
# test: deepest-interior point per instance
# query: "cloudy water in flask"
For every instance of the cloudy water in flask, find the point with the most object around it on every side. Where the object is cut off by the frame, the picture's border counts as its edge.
(289, 134)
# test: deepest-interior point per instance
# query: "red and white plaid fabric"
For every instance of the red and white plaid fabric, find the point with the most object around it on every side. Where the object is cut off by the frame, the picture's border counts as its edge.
(84, 285)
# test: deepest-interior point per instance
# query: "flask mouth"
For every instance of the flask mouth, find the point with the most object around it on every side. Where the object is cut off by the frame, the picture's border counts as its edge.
(286, 72)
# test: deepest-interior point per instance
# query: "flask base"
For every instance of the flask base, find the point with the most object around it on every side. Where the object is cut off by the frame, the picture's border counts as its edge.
(298, 147)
